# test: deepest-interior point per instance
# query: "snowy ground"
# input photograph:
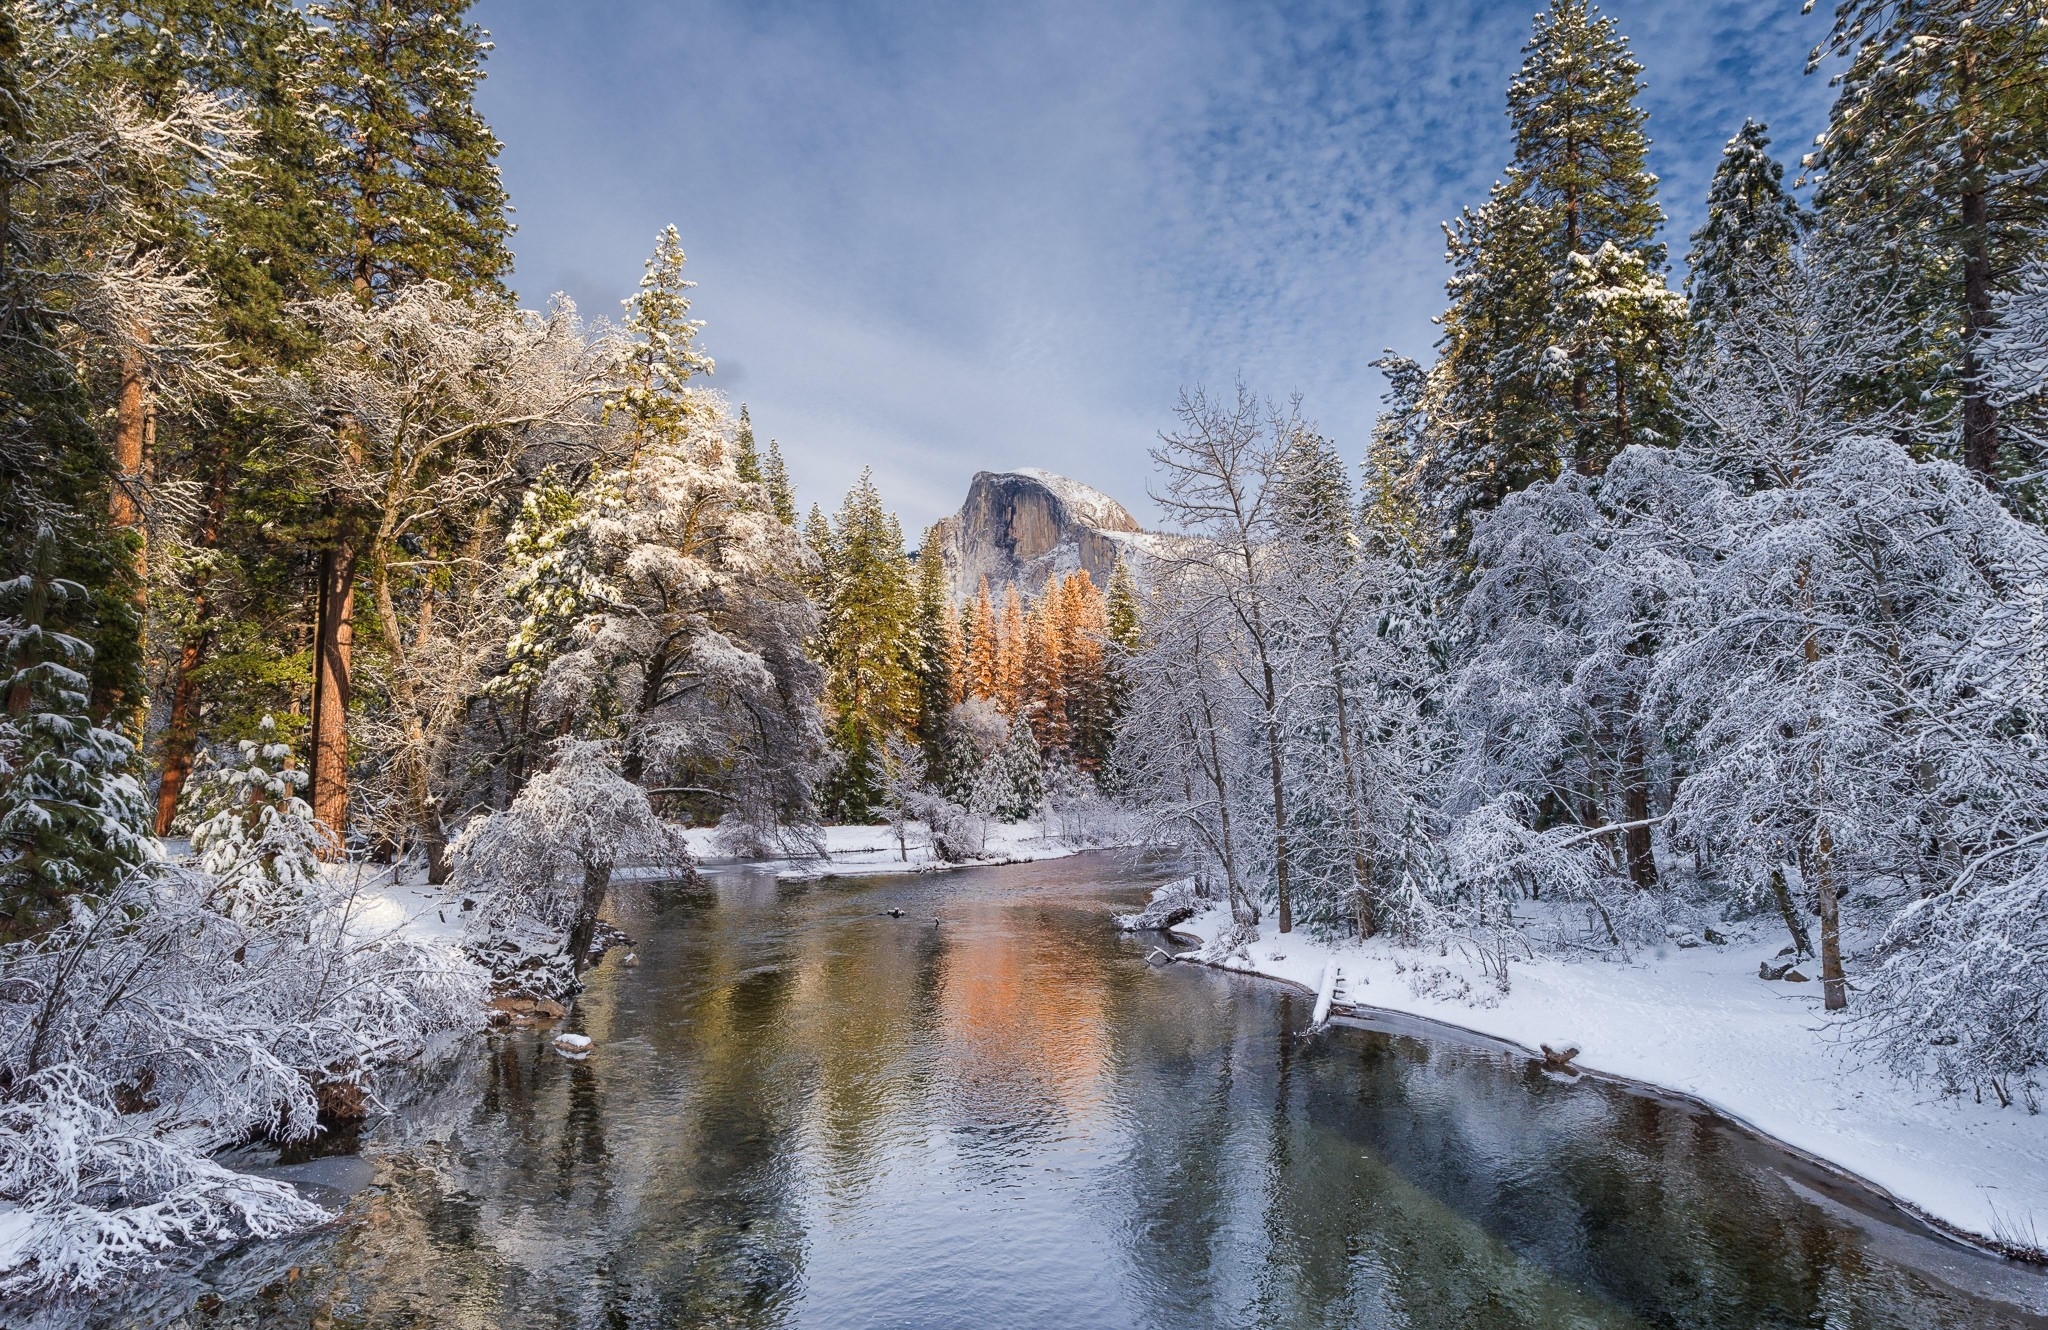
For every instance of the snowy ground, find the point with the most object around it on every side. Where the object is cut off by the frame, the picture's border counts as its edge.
(1699, 1021)
(865, 851)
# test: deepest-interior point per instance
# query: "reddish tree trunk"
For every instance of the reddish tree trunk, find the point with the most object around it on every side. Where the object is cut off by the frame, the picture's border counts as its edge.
(333, 647)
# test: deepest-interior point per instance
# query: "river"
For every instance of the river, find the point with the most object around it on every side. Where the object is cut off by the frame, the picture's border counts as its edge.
(802, 1112)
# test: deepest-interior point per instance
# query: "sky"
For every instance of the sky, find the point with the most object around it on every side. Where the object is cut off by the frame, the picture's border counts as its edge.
(935, 237)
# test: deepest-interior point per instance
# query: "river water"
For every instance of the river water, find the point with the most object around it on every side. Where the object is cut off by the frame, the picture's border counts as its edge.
(802, 1112)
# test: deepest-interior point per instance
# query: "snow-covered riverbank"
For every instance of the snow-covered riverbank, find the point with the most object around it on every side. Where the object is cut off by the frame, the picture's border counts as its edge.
(1698, 1021)
(870, 851)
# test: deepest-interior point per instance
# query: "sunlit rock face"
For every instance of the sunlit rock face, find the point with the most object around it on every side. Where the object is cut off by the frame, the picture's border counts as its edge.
(1029, 526)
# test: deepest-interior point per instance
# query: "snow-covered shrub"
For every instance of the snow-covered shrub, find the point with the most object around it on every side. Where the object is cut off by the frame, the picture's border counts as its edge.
(958, 835)
(152, 1028)
(542, 868)
(259, 841)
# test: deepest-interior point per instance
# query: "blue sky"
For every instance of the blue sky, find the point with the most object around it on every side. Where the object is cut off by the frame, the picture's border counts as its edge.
(937, 238)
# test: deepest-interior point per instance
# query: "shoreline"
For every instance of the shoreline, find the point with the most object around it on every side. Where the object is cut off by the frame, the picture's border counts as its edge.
(1942, 1217)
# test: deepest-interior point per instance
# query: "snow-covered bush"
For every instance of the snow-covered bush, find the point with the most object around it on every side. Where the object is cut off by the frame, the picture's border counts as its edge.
(542, 868)
(259, 841)
(152, 1028)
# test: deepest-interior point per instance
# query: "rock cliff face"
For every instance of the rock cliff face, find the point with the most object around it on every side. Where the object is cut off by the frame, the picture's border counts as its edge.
(1028, 526)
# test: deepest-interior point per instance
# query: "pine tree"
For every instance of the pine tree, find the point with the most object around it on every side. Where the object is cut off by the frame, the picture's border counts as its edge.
(1623, 327)
(979, 629)
(415, 182)
(655, 396)
(1123, 637)
(1581, 153)
(1494, 424)
(936, 635)
(71, 818)
(746, 459)
(1088, 697)
(1751, 226)
(866, 639)
(1581, 161)
(258, 839)
(781, 497)
(1930, 160)
(1516, 393)
(1013, 645)
(1044, 687)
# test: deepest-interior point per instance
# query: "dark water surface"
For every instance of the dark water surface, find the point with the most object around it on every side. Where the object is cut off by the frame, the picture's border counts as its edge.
(803, 1113)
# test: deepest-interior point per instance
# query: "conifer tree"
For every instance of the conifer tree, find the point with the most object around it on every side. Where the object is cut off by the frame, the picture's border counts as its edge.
(935, 638)
(1581, 151)
(979, 629)
(1518, 391)
(781, 497)
(415, 183)
(1581, 156)
(1931, 160)
(1751, 226)
(1012, 645)
(1495, 426)
(1043, 693)
(71, 819)
(746, 459)
(866, 646)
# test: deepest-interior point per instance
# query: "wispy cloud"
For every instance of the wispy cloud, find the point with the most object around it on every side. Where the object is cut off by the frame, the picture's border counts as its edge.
(939, 238)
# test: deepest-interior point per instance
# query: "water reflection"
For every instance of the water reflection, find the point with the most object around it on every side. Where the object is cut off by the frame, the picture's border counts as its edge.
(802, 1112)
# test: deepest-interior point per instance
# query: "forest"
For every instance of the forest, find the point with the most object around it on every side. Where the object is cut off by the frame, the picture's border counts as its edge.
(1663, 593)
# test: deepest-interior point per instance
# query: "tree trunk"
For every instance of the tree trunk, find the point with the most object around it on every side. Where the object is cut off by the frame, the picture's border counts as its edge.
(131, 425)
(1285, 908)
(597, 881)
(1802, 945)
(333, 648)
(1361, 871)
(1834, 986)
(1635, 806)
(1980, 416)
(181, 735)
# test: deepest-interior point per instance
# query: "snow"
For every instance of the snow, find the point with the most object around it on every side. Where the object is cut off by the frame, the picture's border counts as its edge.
(856, 851)
(1699, 1022)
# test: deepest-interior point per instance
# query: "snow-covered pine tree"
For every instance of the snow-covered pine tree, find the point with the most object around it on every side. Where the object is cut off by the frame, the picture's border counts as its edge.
(256, 838)
(1011, 783)
(1581, 150)
(72, 818)
(781, 495)
(1581, 162)
(1751, 223)
(670, 607)
(1931, 159)
(746, 458)
(1622, 331)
